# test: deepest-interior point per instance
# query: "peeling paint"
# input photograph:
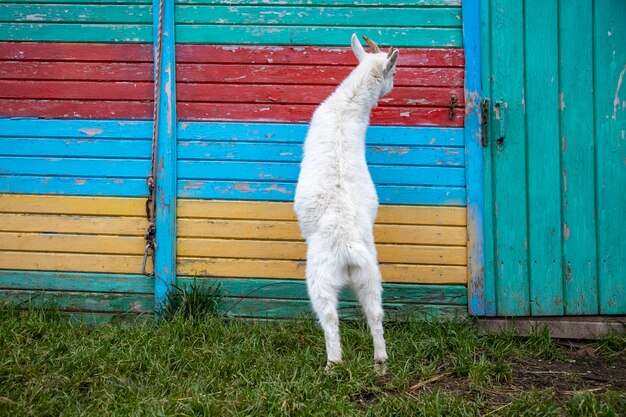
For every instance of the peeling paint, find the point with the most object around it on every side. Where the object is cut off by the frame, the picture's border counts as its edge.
(616, 99)
(565, 231)
(243, 187)
(193, 184)
(91, 132)
(562, 101)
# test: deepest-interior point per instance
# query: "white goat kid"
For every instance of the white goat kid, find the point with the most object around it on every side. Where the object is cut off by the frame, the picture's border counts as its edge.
(336, 202)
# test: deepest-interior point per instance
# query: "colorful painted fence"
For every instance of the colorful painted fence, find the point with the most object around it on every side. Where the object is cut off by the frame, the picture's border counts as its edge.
(75, 143)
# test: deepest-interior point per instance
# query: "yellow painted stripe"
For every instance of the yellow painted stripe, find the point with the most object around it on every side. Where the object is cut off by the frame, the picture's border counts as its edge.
(255, 249)
(45, 261)
(255, 268)
(51, 223)
(259, 210)
(282, 230)
(54, 242)
(53, 204)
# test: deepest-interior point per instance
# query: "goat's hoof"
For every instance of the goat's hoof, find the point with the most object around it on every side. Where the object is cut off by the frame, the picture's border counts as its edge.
(330, 365)
(380, 366)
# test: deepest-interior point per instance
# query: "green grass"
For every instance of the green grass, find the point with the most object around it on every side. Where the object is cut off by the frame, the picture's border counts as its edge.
(206, 365)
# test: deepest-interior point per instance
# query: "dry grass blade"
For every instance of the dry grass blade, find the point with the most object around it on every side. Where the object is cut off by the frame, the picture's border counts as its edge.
(497, 409)
(430, 380)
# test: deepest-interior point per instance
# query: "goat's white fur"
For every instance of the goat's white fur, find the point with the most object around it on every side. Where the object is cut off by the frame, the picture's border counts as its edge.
(336, 202)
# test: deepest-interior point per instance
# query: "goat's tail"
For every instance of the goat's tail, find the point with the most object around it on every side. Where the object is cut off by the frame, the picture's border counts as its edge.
(356, 253)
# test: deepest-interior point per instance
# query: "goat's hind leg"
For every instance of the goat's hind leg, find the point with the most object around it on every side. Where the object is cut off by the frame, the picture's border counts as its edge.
(323, 284)
(367, 283)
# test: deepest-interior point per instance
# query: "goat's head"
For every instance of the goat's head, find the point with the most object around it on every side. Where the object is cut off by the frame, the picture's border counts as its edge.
(383, 64)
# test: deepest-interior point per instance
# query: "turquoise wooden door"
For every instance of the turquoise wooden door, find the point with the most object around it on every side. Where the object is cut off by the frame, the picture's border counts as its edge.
(555, 161)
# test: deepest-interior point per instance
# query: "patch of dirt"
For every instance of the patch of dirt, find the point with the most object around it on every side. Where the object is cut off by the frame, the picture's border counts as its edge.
(582, 369)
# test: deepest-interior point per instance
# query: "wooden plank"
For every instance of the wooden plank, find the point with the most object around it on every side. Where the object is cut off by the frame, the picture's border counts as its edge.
(509, 166)
(88, 13)
(48, 204)
(578, 327)
(166, 156)
(225, 267)
(76, 147)
(76, 90)
(295, 94)
(75, 224)
(73, 281)
(270, 152)
(282, 191)
(324, 75)
(610, 127)
(306, 55)
(577, 158)
(76, 32)
(474, 157)
(80, 301)
(298, 35)
(75, 71)
(70, 243)
(293, 113)
(72, 262)
(288, 230)
(412, 3)
(277, 133)
(75, 167)
(296, 289)
(489, 287)
(75, 109)
(315, 16)
(85, 129)
(544, 180)
(117, 187)
(264, 249)
(288, 309)
(252, 210)
(103, 52)
(288, 172)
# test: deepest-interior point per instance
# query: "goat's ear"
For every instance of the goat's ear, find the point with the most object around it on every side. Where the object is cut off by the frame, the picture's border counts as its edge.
(357, 48)
(391, 61)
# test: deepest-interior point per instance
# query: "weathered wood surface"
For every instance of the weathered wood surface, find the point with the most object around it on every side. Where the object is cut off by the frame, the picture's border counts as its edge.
(557, 178)
(282, 84)
(288, 298)
(259, 239)
(424, 24)
(610, 134)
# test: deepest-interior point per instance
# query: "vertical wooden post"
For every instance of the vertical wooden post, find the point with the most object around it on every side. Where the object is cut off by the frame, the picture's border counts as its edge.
(474, 157)
(165, 260)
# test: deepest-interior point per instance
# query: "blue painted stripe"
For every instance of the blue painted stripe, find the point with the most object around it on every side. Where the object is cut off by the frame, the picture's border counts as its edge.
(75, 167)
(282, 191)
(83, 128)
(481, 297)
(295, 133)
(262, 152)
(220, 151)
(113, 187)
(75, 147)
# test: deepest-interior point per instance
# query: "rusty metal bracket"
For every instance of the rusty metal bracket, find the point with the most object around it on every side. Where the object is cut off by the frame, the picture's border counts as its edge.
(484, 121)
(452, 106)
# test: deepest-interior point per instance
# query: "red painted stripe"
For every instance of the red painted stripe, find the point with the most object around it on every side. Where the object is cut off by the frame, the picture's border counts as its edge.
(398, 116)
(53, 51)
(240, 83)
(299, 74)
(59, 70)
(309, 55)
(59, 109)
(310, 94)
(75, 90)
